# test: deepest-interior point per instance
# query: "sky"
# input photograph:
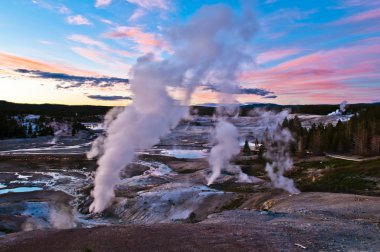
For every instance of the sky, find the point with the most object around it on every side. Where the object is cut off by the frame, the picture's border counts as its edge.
(81, 52)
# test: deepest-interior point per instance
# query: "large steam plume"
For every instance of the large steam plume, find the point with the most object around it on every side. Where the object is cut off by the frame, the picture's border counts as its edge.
(210, 48)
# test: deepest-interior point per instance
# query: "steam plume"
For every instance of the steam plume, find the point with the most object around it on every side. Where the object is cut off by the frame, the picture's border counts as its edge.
(209, 48)
(226, 136)
(277, 143)
(62, 217)
(97, 147)
(278, 153)
(342, 106)
(341, 110)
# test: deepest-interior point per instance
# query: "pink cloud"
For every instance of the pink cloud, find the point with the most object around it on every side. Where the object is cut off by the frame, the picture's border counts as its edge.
(360, 17)
(87, 40)
(146, 42)
(138, 13)
(151, 4)
(322, 76)
(276, 54)
(16, 62)
(106, 21)
(102, 47)
(101, 3)
(357, 3)
(91, 54)
(78, 20)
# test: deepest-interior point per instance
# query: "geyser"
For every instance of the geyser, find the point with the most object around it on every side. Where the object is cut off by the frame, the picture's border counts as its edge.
(210, 48)
(277, 142)
(227, 146)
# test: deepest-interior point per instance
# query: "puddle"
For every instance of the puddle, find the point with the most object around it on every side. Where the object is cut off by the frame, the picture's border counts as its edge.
(20, 189)
(189, 154)
(2, 185)
(50, 149)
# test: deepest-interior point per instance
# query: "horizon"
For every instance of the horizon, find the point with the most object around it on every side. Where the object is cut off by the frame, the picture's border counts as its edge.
(201, 105)
(74, 53)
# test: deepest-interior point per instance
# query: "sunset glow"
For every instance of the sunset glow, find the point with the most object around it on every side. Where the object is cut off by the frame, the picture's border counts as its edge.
(304, 52)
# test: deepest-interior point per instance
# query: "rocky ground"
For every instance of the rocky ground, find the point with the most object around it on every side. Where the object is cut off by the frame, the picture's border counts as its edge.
(163, 203)
(305, 222)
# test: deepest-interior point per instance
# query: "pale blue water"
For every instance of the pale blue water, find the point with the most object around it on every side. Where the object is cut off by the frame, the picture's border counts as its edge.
(20, 189)
(37, 209)
(190, 154)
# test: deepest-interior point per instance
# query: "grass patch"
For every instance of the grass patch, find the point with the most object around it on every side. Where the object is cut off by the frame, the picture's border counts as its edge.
(339, 176)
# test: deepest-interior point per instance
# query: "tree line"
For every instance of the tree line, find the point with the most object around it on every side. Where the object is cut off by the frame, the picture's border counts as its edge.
(360, 135)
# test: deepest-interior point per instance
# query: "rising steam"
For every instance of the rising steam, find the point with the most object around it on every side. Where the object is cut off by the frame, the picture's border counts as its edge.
(210, 48)
(277, 153)
(341, 110)
(277, 142)
(227, 146)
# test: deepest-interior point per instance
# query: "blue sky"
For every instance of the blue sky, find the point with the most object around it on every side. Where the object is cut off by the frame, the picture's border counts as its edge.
(304, 51)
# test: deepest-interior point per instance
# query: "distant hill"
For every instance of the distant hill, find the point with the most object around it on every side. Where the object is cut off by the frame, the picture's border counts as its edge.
(9, 108)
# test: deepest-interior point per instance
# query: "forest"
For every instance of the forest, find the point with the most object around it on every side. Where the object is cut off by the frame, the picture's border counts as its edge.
(360, 135)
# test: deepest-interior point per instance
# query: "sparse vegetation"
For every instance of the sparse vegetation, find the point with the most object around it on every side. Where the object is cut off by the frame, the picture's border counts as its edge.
(340, 176)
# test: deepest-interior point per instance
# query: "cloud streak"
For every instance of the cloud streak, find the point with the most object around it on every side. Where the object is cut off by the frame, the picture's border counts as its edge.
(145, 41)
(360, 17)
(109, 97)
(238, 90)
(326, 76)
(276, 54)
(10, 61)
(72, 81)
(151, 4)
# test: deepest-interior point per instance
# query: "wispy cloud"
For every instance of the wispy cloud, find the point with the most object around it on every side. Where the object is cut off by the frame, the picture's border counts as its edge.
(102, 3)
(146, 42)
(106, 21)
(238, 90)
(275, 54)
(356, 3)
(361, 16)
(151, 4)
(92, 54)
(78, 20)
(46, 42)
(62, 9)
(145, 6)
(15, 62)
(111, 63)
(97, 51)
(279, 23)
(87, 40)
(71, 81)
(109, 97)
(323, 75)
(138, 13)
(270, 97)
